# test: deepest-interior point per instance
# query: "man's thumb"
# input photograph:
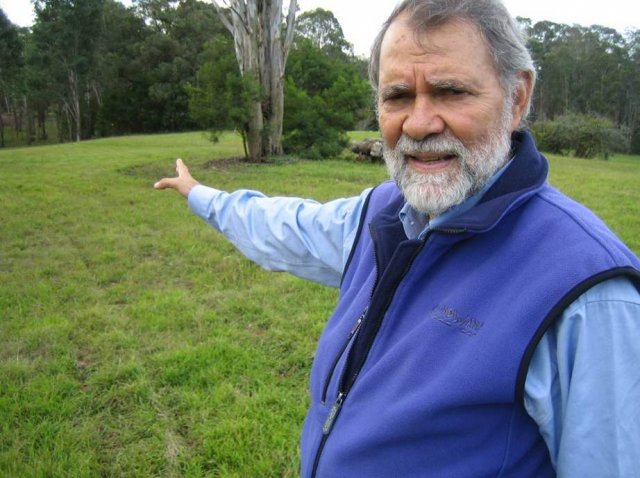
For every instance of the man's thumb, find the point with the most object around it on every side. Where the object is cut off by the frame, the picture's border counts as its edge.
(165, 183)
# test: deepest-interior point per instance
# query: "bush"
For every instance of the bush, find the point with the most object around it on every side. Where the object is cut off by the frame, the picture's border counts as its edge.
(325, 95)
(584, 136)
(311, 126)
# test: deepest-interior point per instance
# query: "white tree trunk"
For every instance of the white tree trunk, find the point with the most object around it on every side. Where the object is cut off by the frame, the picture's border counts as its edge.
(261, 51)
(74, 103)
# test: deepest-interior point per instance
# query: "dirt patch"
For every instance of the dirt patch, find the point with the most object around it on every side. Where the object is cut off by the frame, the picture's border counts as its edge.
(153, 171)
(226, 163)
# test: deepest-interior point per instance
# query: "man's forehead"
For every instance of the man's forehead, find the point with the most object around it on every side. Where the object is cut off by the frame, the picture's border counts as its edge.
(455, 47)
(427, 39)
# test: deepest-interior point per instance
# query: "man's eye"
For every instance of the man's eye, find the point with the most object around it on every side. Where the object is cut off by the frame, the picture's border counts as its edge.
(396, 98)
(454, 92)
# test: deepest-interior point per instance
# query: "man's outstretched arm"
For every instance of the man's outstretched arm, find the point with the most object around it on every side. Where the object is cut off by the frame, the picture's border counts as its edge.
(300, 236)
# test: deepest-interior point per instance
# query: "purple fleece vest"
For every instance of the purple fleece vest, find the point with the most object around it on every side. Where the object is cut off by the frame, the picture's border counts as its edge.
(434, 372)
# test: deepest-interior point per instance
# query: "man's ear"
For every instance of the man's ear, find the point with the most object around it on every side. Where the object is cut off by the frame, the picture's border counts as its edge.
(521, 98)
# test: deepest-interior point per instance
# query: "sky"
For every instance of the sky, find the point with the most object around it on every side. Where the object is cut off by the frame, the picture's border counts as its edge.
(361, 31)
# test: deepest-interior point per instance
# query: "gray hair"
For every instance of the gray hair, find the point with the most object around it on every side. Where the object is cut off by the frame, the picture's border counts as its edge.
(501, 32)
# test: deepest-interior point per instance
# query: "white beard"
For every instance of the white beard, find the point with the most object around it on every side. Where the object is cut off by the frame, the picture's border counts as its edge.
(473, 166)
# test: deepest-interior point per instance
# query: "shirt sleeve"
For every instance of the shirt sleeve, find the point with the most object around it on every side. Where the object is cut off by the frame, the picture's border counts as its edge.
(300, 236)
(583, 384)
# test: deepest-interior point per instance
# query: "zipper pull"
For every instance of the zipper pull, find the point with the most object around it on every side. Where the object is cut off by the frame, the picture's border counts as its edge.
(333, 414)
(356, 327)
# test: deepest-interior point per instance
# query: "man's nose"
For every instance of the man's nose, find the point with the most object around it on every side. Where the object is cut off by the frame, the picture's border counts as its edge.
(423, 120)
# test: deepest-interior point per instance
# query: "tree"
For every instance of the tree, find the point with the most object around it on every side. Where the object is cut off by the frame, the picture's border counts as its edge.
(325, 96)
(262, 39)
(327, 92)
(324, 31)
(220, 98)
(124, 80)
(11, 63)
(65, 39)
(633, 91)
(171, 54)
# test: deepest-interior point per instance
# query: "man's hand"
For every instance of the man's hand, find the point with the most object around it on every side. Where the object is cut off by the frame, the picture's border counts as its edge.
(183, 183)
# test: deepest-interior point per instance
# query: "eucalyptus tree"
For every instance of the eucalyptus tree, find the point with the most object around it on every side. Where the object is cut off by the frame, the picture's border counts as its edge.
(262, 37)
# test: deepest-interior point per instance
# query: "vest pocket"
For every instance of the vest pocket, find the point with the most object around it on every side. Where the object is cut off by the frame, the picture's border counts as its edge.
(352, 333)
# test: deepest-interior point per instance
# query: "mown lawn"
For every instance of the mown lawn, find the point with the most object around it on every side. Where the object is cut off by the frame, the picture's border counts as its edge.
(134, 341)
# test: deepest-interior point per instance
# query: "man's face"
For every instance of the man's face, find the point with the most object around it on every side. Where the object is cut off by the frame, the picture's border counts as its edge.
(445, 120)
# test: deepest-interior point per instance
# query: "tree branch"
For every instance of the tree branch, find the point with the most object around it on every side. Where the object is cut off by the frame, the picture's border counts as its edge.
(288, 39)
(223, 17)
(229, 23)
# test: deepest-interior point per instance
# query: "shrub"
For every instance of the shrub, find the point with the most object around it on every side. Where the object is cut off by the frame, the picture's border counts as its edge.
(584, 136)
(311, 126)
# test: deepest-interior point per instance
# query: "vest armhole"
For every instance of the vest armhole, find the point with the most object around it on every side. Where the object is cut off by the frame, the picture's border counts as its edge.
(556, 312)
(356, 239)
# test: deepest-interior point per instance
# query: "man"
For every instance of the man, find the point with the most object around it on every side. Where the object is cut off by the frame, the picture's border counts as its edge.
(487, 325)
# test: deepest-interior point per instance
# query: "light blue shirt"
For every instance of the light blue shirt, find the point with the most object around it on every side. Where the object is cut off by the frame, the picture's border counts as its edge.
(583, 383)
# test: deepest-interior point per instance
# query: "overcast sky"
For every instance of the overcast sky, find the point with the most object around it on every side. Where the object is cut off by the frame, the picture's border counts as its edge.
(361, 19)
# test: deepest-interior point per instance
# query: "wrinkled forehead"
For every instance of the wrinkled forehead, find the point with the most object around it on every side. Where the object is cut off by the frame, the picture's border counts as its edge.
(437, 38)
(452, 50)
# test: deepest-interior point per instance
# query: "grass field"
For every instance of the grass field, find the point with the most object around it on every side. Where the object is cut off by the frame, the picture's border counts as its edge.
(134, 341)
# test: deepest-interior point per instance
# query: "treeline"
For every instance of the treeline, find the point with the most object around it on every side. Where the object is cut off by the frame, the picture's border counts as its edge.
(103, 69)
(588, 94)
(92, 68)
(95, 68)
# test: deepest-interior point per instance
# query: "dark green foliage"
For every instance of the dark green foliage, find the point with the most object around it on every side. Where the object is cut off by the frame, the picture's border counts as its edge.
(125, 96)
(307, 125)
(167, 59)
(11, 67)
(221, 99)
(326, 91)
(581, 135)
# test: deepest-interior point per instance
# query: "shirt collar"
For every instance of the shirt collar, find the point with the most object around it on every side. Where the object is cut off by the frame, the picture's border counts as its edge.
(417, 224)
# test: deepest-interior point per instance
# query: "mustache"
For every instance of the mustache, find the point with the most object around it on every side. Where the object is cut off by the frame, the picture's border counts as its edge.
(440, 144)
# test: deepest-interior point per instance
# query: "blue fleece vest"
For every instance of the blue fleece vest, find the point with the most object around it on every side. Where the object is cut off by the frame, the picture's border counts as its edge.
(420, 371)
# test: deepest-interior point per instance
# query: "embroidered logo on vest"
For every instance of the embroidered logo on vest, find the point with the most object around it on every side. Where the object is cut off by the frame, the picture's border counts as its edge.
(451, 318)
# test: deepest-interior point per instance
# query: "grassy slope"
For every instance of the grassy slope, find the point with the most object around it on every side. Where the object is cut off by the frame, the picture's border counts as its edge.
(134, 341)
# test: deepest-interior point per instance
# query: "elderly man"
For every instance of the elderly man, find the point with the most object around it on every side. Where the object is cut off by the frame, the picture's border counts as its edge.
(487, 325)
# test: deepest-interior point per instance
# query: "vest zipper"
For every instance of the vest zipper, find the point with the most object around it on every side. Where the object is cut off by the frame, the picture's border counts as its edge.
(344, 387)
(352, 333)
(337, 406)
(346, 383)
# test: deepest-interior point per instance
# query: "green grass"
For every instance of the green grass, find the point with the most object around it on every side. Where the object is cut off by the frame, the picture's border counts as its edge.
(134, 341)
